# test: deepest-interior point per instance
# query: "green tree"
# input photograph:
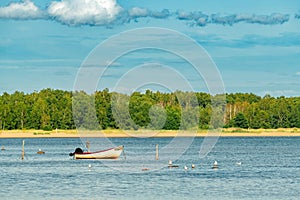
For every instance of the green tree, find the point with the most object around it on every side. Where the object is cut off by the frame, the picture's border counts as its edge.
(103, 108)
(173, 118)
(157, 116)
(205, 117)
(240, 121)
(139, 106)
(84, 112)
(120, 112)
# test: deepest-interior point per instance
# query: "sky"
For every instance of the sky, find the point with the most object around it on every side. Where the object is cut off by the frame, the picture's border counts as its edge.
(254, 46)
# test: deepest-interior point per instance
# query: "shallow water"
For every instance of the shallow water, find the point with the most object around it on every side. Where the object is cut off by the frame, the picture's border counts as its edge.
(270, 169)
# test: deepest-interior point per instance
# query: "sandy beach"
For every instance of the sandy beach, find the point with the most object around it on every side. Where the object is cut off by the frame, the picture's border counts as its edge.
(150, 133)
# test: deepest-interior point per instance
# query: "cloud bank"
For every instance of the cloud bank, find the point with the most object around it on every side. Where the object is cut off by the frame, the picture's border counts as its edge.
(136, 12)
(109, 12)
(274, 18)
(201, 19)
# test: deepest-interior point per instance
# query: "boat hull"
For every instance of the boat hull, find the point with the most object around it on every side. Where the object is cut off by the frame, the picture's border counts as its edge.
(112, 153)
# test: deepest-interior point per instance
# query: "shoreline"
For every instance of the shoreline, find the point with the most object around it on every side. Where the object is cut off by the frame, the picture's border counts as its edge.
(149, 133)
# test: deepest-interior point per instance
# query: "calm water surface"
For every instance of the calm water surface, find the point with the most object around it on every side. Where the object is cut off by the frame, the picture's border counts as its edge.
(270, 169)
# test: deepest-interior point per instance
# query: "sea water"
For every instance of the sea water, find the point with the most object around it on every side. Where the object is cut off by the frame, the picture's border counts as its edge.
(248, 168)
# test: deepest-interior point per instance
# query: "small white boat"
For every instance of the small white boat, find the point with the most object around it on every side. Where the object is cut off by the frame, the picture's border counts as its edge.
(112, 153)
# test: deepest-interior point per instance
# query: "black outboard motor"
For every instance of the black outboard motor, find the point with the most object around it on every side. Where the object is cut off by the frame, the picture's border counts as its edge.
(77, 150)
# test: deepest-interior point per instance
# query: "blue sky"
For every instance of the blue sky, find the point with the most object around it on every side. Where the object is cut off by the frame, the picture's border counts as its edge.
(254, 44)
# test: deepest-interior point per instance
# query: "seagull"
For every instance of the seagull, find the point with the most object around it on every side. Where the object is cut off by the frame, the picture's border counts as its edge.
(215, 166)
(185, 168)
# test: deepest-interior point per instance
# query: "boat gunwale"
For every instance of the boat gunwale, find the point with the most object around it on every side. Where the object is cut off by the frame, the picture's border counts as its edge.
(95, 152)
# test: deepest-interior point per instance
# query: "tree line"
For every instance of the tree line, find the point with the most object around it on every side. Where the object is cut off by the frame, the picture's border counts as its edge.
(50, 109)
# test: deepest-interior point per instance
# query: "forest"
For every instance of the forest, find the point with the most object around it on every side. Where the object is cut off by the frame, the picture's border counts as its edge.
(57, 109)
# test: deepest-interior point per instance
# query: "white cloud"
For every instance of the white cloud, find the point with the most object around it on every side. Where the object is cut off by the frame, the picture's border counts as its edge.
(91, 12)
(138, 12)
(165, 13)
(21, 10)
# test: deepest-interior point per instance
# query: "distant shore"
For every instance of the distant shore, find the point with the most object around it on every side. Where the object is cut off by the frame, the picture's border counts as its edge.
(230, 132)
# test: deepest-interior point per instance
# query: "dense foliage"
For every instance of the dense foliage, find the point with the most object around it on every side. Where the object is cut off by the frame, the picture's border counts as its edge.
(50, 109)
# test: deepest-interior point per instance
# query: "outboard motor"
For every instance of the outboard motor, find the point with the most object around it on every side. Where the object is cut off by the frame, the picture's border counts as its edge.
(77, 150)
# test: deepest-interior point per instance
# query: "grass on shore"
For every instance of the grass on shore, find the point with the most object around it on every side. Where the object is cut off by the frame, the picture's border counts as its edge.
(115, 131)
(279, 130)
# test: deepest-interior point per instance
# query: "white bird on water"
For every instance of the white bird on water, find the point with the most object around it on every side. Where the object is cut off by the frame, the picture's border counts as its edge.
(185, 168)
(90, 167)
(238, 163)
(215, 166)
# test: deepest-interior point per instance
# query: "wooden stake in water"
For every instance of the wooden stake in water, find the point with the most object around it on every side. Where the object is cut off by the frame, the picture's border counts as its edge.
(23, 150)
(87, 144)
(156, 152)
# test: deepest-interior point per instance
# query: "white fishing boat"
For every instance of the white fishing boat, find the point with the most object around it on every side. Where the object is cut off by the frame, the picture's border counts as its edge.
(112, 153)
